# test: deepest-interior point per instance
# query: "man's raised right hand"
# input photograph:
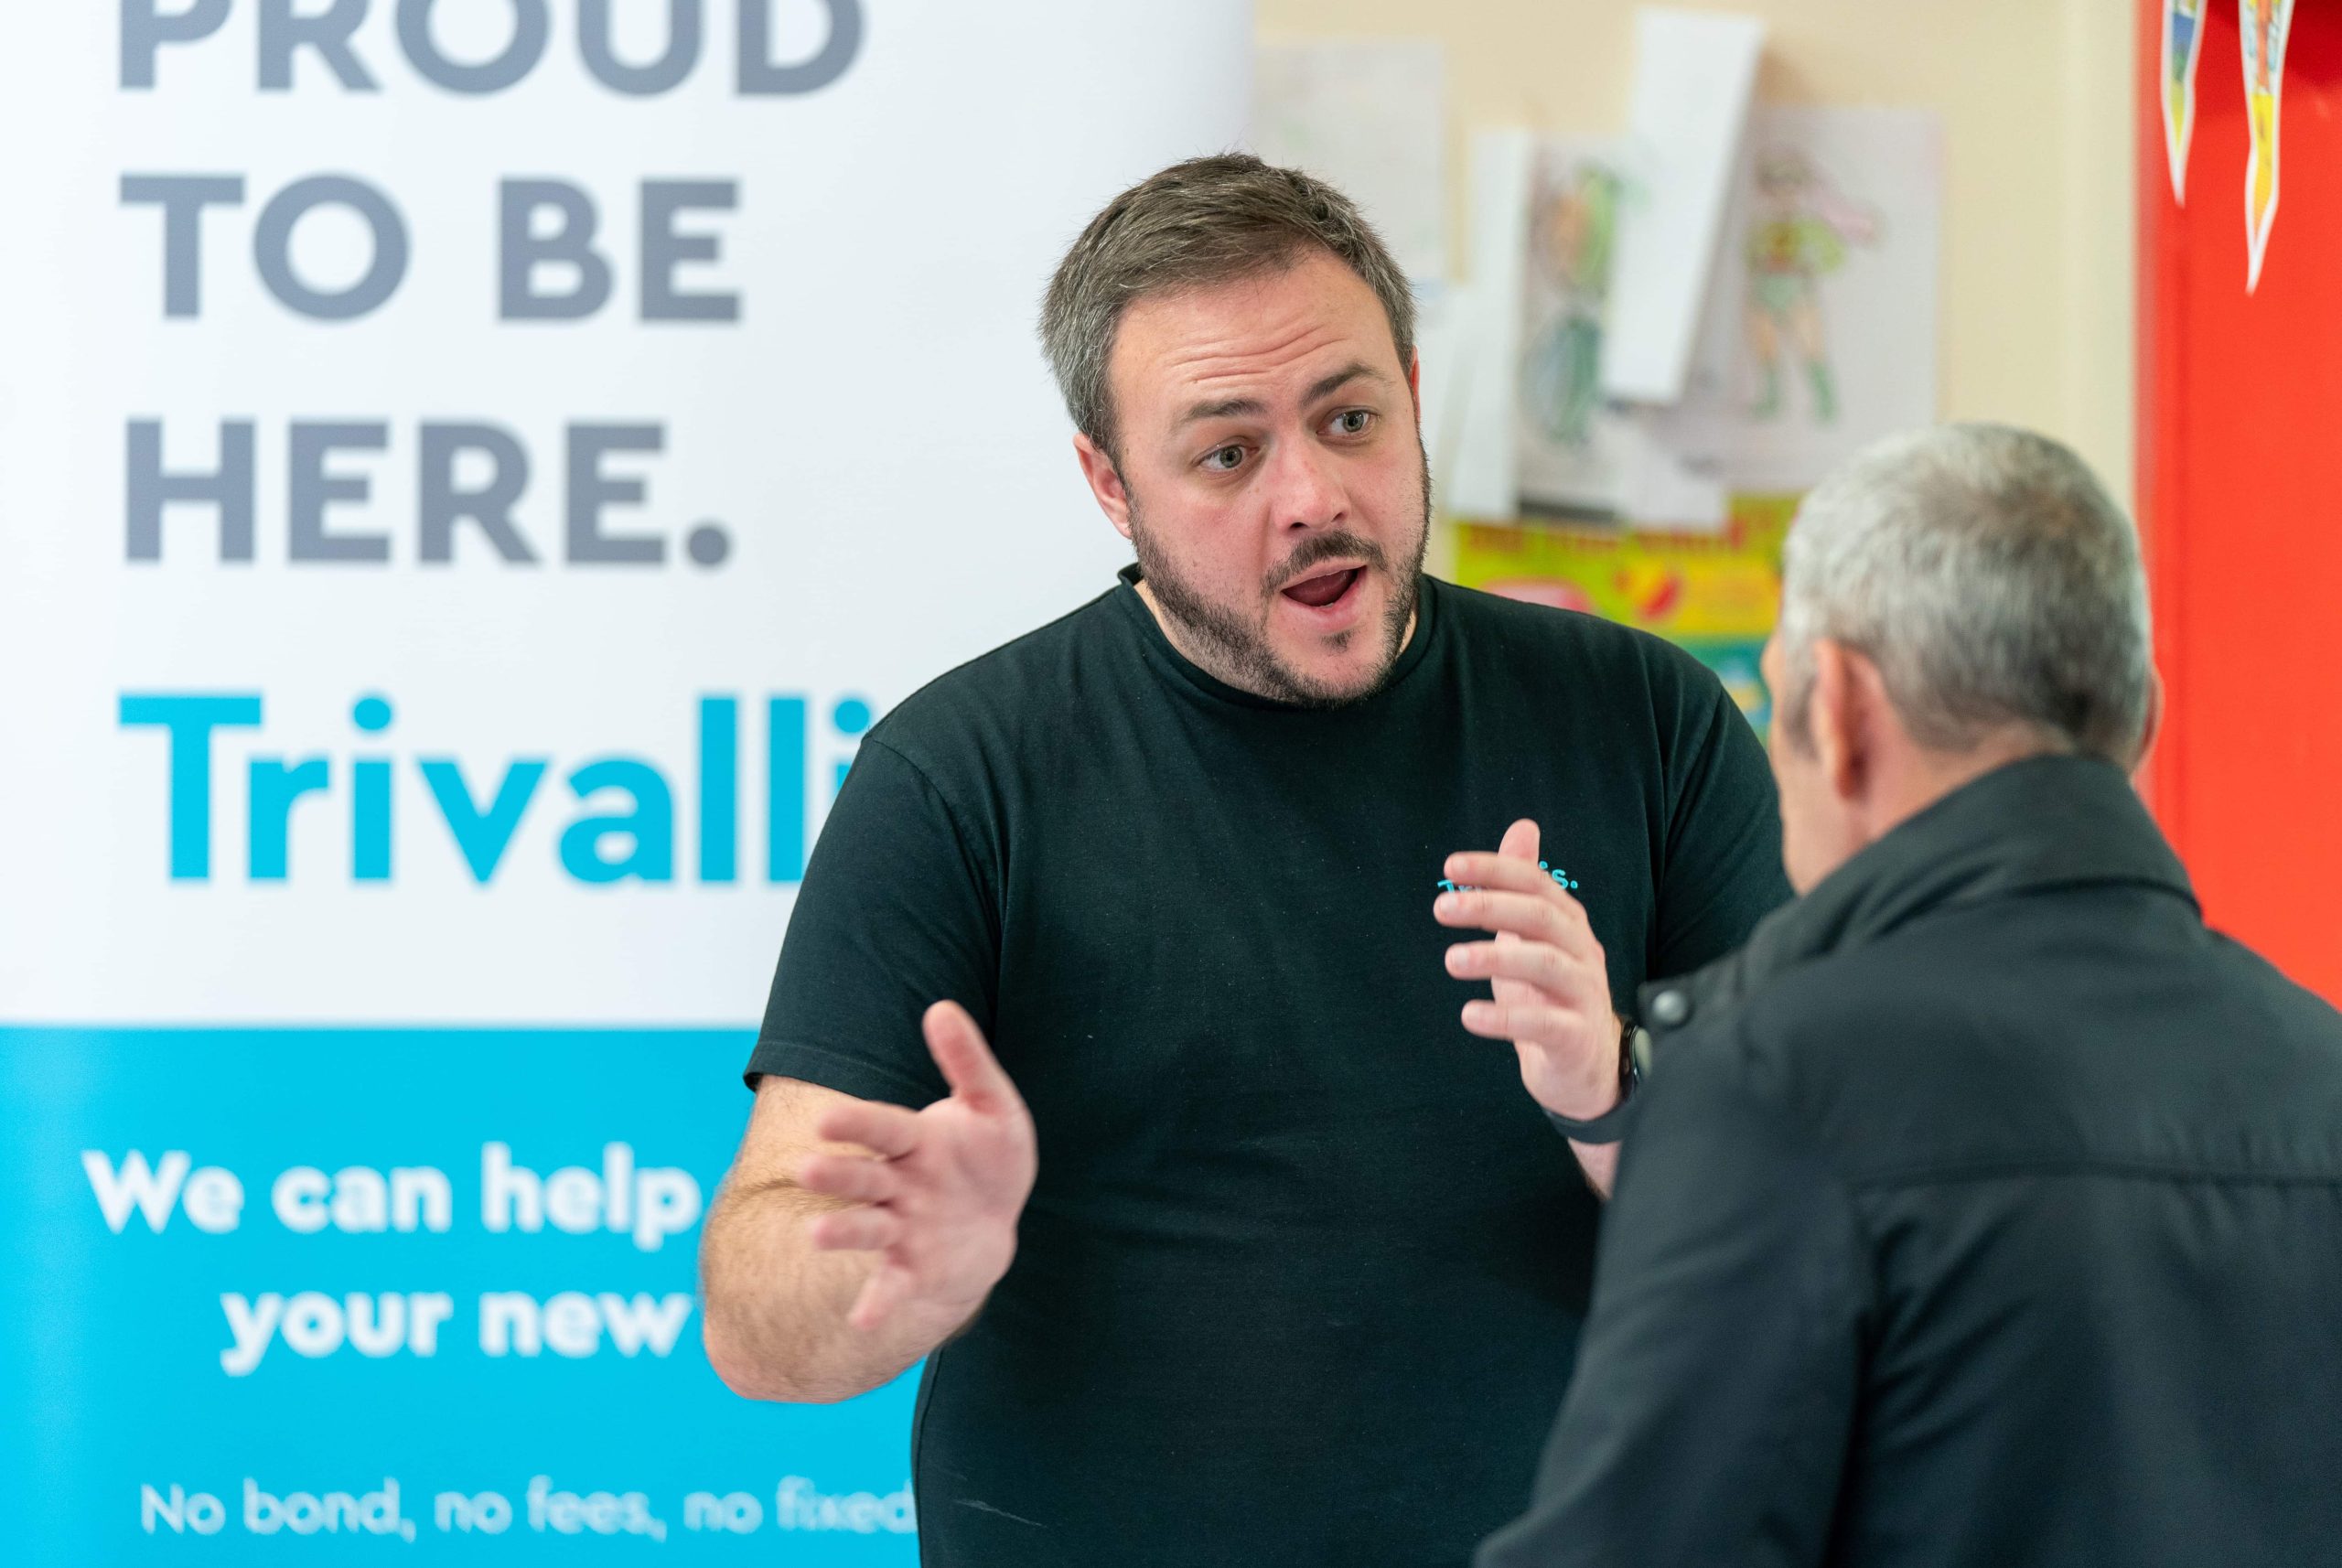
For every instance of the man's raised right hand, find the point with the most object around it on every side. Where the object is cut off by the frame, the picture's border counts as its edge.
(937, 1199)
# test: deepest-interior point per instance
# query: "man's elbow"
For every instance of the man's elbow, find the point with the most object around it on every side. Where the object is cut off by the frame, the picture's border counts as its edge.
(744, 1374)
(741, 1368)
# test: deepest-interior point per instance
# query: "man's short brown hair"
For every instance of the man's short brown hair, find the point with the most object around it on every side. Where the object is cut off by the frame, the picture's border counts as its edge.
(1196, 224)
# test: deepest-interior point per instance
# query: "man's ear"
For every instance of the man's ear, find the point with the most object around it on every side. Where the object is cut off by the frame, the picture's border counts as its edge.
(1105, 483)
(2153, 726)
(1415, 388)
(1835, 719)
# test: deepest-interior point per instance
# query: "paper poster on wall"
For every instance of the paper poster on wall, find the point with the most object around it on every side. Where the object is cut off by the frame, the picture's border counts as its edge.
(1688, 109)
(1820, 330)
(2183, 45)
(1715, 594)
(1579, 452)
(1483, 477)
(1369, 116)
(2266, 25)
(1569, 456)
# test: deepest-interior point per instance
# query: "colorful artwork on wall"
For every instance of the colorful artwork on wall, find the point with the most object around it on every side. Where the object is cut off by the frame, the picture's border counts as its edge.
(1715, 594)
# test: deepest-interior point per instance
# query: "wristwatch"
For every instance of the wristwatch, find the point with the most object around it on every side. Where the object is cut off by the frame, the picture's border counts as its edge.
(1611, 1125)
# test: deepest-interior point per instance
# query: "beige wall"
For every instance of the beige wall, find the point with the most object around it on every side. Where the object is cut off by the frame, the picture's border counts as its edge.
(2035, 95)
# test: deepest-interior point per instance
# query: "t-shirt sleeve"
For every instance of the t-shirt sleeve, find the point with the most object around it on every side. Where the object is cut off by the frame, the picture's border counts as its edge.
(1721, 869)
(894, 914)
(1719, 1373)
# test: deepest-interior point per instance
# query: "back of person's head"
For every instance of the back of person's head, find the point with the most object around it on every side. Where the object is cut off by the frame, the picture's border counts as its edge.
(1206, 222)
(1990, 579)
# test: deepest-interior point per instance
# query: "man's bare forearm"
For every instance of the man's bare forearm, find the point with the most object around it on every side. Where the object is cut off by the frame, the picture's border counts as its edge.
(776, 1304)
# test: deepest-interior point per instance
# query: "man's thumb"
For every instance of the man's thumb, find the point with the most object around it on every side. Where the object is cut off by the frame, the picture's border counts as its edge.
(1519, 841)
(968, 1065)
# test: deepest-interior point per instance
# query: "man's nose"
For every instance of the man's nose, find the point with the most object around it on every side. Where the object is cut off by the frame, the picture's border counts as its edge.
(1303, 489)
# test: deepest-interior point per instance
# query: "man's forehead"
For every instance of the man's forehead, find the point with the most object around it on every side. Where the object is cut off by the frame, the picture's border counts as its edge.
(1283, 335)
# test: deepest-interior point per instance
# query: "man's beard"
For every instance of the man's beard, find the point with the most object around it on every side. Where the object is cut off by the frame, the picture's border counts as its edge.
(1237, 651)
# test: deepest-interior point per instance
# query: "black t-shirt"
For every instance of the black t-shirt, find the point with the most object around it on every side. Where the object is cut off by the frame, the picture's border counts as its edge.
(1302, 1271)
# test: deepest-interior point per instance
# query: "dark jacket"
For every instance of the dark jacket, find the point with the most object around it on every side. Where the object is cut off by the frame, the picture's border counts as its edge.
(1986, 1209)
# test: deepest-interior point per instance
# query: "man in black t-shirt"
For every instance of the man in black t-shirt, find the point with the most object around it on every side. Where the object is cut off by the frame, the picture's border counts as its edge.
(1243, 1249)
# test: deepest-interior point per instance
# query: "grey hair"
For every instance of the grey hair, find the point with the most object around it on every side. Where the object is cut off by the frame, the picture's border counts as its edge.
(1207, 221)
(1989, 576)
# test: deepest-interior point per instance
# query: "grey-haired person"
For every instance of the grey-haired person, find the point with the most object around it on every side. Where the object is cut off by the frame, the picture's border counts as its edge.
(1987, 1208)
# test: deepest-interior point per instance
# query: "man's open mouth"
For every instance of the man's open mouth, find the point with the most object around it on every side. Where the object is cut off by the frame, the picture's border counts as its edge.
(1322, 590)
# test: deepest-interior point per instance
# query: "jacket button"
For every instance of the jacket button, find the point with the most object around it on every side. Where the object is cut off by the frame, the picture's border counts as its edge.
(1669, 1009)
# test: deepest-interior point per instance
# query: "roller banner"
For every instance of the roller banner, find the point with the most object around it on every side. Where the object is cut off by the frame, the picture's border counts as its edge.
(469, 473)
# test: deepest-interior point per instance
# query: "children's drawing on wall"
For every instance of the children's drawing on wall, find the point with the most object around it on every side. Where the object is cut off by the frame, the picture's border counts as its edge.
(1572, 222)
(1567, 457)
(1821, 331)
(1800, 231)
(2266, 25)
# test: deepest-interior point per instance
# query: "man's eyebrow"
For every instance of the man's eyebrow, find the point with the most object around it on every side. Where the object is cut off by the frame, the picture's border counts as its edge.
(1247, 407)
(1341, 378)
(1226, 408)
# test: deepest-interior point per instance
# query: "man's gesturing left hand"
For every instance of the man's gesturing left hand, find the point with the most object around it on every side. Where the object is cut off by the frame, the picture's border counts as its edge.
(1551, 990)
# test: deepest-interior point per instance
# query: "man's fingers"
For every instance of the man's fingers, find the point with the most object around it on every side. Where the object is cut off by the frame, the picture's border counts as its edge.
(967, 1063)
(887, 1130)
(855, 1230)
(849, 1177)
(1528, 914)
(1533, 1022)
(1540, 965)
(888, 1287)
(1520, 842)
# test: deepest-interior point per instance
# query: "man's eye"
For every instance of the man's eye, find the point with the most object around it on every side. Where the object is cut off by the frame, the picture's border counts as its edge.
(1354, 421)
(1224, 460)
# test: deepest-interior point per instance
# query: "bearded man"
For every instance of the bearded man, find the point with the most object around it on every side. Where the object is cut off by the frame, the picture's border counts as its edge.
(1225, 1236)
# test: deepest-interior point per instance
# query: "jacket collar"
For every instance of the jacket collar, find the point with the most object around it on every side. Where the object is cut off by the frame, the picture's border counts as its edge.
(2027, 827)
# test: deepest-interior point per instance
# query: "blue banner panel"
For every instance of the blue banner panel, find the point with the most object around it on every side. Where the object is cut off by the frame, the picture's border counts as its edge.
(338, 1294)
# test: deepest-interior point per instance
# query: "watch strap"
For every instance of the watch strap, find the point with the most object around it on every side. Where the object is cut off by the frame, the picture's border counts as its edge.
(1610, 1127)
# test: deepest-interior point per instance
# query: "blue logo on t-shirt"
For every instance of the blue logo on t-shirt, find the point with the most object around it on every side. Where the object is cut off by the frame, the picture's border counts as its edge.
(1555, 872)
